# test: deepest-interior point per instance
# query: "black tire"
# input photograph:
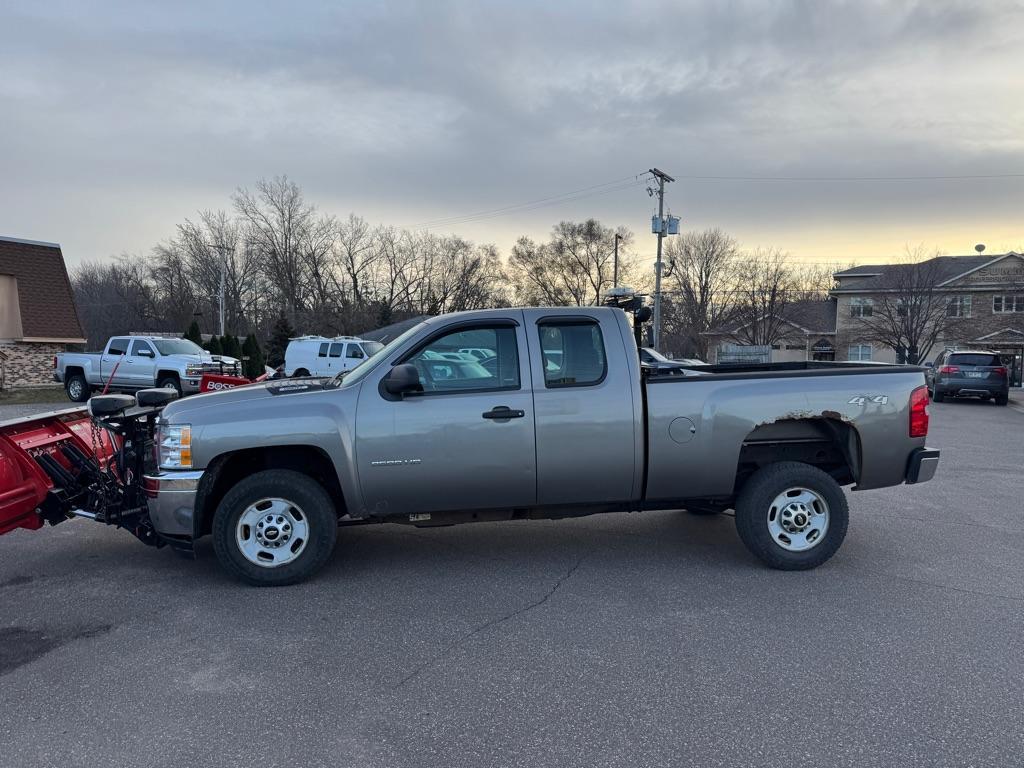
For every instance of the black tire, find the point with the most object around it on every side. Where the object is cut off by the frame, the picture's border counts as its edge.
(938, 397)
(170, 382)
(754, 504)
(77, 388)
(1002, 399)
(300, 373)
(308, 497)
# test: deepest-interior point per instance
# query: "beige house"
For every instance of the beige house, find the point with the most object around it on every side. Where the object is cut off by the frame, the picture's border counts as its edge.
(37, 311)
(806, 331)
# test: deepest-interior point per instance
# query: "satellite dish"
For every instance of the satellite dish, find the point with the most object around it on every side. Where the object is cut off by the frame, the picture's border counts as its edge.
(979, 247)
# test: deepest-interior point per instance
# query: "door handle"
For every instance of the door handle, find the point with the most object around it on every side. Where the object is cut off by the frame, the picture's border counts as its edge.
(503, 412)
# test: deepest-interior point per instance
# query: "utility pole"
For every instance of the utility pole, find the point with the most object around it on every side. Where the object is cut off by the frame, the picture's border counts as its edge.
(662, 178)
(615, 270)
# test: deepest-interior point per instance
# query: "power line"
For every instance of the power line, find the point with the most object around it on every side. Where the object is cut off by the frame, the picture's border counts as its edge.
(961, 177)
(576, 194)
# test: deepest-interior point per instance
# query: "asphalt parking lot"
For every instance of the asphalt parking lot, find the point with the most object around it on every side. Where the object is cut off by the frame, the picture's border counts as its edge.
(619, 640)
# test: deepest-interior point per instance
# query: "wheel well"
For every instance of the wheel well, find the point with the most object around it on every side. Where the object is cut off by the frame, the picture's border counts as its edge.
(168, 374)
(227, 470)
(73, 370)
(829, 444)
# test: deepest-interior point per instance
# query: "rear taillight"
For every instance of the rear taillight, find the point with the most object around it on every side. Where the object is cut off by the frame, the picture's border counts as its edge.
(1000, 371)
(919, 412)
(949, 369)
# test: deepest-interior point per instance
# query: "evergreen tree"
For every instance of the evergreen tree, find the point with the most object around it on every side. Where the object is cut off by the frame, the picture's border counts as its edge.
(251, 349)
(213, 346)
(279, 336)
(194, 334)
(230, 347)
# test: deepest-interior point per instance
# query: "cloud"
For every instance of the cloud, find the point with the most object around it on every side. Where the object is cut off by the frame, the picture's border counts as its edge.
(419, 110)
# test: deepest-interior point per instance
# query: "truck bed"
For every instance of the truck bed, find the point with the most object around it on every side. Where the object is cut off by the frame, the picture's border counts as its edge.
(783, 370)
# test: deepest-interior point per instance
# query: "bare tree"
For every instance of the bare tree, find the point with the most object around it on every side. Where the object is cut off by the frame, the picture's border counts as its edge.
(575, 267)
(277, 220)
(910, 312)
(765, 286)
(702, 285)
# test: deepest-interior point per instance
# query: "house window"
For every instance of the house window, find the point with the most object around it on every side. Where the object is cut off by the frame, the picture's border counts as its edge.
(959, 306)
(1006, 304)
(859, 352)
(861, 307)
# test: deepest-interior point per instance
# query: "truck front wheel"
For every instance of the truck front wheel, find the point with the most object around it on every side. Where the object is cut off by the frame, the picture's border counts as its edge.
(170, 382)
(792, 516)
(274, 528)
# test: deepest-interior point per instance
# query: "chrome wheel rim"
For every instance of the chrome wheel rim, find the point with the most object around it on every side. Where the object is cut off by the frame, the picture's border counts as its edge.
(75, 389)
(272, 532)
(798, 519)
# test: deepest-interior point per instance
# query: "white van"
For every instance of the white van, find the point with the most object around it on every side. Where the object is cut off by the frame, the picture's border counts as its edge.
(320, 356)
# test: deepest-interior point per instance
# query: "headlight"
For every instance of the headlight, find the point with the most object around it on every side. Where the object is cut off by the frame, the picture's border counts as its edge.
(174, 443)
(193, 370)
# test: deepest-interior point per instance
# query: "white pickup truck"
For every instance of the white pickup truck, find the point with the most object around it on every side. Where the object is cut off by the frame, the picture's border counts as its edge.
(130, 363)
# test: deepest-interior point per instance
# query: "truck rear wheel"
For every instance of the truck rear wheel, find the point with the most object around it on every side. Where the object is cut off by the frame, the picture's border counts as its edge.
(792, 516)
(77, 388)
(274, 528)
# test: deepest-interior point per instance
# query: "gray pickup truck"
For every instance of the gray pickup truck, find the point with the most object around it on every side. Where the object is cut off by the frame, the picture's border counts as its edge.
(131, 363)
(560, 421)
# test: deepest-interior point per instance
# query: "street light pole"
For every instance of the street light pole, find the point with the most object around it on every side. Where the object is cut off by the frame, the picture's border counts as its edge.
(223, 269)
(615, 271)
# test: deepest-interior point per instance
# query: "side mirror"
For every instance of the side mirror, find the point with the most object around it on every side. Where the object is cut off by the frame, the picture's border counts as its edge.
(146, 353)
(402, 379)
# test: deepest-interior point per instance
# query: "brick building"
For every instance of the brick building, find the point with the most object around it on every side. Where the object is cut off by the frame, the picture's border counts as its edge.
(978, 299)
(982, 298)
(37, 311)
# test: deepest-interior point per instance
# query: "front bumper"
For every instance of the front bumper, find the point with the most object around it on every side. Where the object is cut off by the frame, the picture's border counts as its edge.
(922, 465)
(172, 498)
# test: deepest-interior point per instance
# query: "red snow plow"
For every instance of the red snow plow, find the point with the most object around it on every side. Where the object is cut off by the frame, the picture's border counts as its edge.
(81, 462)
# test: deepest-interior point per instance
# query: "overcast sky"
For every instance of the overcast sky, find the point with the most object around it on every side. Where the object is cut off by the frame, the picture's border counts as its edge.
(117, 121)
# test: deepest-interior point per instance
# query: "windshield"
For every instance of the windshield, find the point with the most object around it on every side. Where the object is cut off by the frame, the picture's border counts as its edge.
(357, 373)
(178, 347)
(652, 356)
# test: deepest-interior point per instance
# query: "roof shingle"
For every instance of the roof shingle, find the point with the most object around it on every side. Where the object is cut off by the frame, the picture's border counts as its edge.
(45, 298)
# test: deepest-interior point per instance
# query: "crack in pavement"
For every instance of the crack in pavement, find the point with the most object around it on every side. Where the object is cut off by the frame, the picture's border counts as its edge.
(488, 624)
(946, 587)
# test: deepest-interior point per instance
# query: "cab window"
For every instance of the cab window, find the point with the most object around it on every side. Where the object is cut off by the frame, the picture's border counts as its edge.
(323, 350)
(443, 368)
(573, 353)
(354, 351)
(140, 347)
(117, 347)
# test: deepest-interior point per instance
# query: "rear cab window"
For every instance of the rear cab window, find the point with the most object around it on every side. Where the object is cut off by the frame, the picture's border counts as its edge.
(117, 347)
(573, 353)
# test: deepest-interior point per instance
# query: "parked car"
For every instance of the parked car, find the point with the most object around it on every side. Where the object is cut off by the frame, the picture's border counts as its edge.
(321, 356)
(130, 363)
(968, 373)
(478, 352)
(652, 359)
(562, 424)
